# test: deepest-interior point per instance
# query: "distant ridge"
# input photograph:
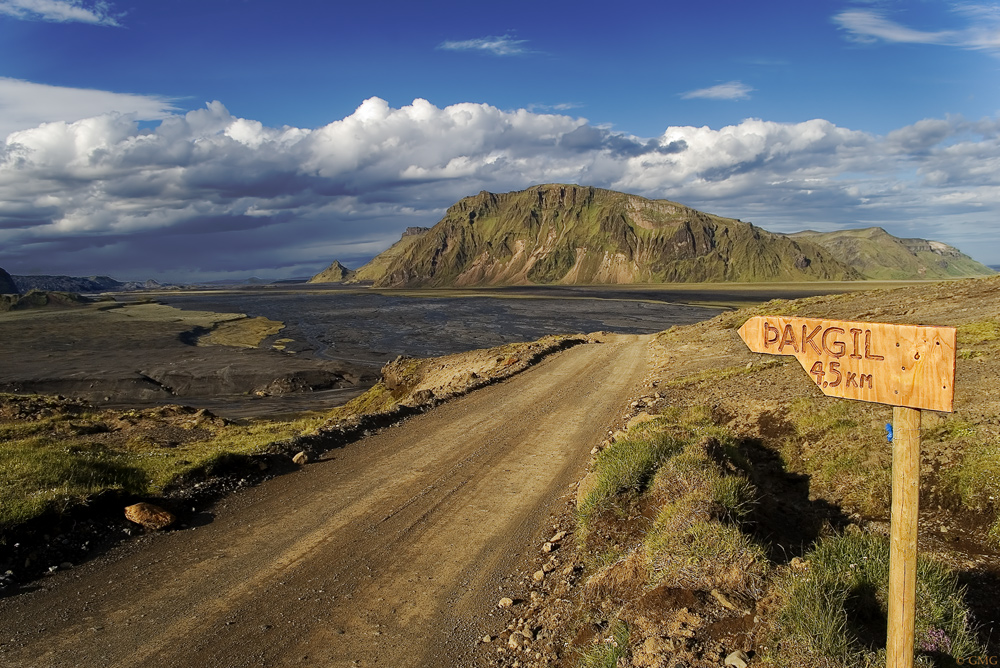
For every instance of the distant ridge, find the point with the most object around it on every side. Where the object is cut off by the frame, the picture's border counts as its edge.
(569, 234)
(879, 255)
(81, 284)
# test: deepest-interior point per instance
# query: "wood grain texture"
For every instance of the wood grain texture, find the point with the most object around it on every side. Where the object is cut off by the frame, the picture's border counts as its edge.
(899, 365)
(903, 536)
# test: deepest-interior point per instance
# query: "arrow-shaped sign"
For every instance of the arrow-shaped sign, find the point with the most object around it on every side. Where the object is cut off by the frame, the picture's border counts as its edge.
(900, 365)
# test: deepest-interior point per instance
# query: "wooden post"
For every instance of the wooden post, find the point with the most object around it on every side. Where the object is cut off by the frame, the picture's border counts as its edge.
(903, 535)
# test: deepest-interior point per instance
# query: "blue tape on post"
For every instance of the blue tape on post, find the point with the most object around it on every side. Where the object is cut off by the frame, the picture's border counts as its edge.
(888, 431)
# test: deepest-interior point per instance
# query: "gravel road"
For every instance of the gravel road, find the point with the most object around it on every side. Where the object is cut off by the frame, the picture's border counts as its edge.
(390, 552)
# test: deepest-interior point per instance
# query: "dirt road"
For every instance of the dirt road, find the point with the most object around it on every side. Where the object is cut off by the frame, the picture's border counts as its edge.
(390, 552)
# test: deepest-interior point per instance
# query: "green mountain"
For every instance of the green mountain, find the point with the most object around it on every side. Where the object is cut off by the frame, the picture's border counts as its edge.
(335, 273)
(572, 234)
(879, 255)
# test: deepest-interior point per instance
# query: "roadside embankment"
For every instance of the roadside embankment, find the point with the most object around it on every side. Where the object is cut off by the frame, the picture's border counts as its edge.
(742, 516)
(67, 468)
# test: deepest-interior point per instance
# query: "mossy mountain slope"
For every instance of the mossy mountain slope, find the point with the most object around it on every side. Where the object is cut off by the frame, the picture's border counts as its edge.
(573, 234)
(376, 268)
(879, 255)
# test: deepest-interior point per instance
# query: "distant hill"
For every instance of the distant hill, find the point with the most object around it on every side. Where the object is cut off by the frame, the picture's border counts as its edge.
(7, 285)
(571, 234)
(879, 255)
(335, 273)
(81, 284)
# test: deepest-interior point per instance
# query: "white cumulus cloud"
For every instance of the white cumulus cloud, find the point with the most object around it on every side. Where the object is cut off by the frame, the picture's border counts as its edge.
(61, 11)
(208, 194)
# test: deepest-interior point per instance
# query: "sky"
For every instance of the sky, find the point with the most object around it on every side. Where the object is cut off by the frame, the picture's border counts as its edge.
(223, 139)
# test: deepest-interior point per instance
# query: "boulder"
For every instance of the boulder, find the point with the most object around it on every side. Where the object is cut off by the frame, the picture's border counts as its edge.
(149, 516)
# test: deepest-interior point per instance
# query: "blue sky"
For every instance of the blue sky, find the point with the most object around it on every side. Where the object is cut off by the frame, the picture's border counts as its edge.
(229, 138)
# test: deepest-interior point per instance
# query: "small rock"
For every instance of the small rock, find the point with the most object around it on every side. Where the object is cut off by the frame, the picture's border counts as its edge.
(538, 576)
(149, 515)
(515, 641)
(722, 599)
(487, 639)
(558, 537)
(301, 458)
(738, 659)
(505, 603)
(547, 547)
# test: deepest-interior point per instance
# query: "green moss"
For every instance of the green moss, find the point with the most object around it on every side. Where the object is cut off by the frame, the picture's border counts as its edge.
(973, 333)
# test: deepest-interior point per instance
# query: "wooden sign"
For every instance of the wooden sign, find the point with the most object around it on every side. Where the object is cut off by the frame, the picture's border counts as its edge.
(899, 365)
(910, 367)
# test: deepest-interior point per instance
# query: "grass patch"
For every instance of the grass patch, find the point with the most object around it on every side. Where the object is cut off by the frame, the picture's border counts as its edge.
(696, 541)
(606, 653)
(65, 456)
(625, 468)
(842, 446)
(725, 373)
(37, 475)
(378, 399)
(976, 482)
(242, 333)
(834, 612)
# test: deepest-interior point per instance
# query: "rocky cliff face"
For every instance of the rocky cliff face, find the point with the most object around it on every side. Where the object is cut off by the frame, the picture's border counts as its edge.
(572, 234)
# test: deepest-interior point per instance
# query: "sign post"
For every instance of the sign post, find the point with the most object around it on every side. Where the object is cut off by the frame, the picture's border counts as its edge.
(910, 367)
